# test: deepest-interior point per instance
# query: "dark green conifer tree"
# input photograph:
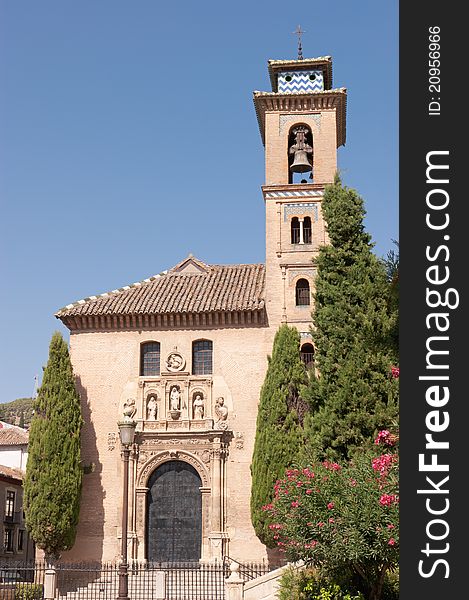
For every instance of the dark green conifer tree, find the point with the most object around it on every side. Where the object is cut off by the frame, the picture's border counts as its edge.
(354, 392)
(53, 478)
(279, 432)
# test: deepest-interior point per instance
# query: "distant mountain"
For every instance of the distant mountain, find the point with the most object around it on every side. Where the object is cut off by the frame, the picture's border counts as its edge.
(18, 412)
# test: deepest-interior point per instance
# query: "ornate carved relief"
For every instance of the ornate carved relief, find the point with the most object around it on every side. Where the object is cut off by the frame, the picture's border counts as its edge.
(175, 362)
(298, 208)
(111, 440)
(166, 455)
(285, 120)
(306, 272)
(239, 440)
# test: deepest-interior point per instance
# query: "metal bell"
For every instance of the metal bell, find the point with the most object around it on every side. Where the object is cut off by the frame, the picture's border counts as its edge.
(300, 162)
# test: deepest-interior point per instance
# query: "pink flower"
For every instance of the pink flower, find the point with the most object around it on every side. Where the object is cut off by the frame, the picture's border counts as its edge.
(395, 372)
(295, 504)
(331, 466)
(309, 492)
(392, 542)
(388, 499)
(386, 437)
(330, 506)
(320, 524)
(383, 463)
(390, 526)
(331, 520)
(353, 482)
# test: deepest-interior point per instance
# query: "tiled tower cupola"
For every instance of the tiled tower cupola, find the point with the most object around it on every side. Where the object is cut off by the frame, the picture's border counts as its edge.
(302, 123)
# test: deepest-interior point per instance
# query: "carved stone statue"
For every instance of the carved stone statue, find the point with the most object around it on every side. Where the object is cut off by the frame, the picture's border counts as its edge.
(222, 413)
(174, 398)
(198, 405)
(129, 409)
(151, 408)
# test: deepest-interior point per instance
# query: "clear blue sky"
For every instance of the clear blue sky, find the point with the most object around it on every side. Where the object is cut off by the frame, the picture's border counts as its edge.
(128, 139)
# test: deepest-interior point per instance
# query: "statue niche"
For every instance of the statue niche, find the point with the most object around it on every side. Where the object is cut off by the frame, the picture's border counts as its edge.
(152, 407)
(198, 406)
(175, 402)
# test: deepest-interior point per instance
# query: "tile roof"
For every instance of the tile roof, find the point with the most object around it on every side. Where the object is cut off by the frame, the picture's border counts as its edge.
(190, 287)
(13, 436)
(11, 472)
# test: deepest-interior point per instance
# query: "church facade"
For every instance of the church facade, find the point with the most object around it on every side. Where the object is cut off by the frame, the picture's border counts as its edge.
(188, 349)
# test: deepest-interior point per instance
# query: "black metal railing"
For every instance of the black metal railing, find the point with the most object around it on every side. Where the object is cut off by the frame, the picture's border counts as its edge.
(247, 570)
(100, 581)
(19, 580)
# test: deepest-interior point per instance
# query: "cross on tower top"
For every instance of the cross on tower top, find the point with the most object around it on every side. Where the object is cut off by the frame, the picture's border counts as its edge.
(299, 32)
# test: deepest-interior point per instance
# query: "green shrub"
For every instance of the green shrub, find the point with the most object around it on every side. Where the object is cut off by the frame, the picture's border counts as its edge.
(331, 591)
(293, 584)
(28, 591)
(307, 584)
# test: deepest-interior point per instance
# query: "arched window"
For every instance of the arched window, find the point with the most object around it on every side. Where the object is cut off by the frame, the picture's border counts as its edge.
(295, 231)
(150, 358)
(307, 230)
(301, 230)
(307, 354)
(302, 293)
(202, 357)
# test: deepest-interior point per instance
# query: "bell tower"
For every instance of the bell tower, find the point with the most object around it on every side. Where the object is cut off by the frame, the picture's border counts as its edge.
(302, 123)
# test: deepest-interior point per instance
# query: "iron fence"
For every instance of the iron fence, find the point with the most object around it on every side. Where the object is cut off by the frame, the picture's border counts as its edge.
(100, 581)
(21, 581)
(247, 570)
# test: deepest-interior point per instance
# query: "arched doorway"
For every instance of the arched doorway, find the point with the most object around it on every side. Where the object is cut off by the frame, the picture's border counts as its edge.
(174, 515)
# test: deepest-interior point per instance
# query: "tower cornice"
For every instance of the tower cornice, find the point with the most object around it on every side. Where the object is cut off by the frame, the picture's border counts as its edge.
(292, 191)
(303, 103)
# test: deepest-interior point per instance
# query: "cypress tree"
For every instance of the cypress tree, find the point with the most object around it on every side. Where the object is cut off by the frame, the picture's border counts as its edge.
(53, 478)
(354, 393)
(279, 432)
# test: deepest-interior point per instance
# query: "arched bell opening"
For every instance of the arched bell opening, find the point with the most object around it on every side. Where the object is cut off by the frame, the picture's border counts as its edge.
(174, 513)
(300, 154)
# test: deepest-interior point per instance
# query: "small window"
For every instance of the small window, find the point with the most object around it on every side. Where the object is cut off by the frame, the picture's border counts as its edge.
(8, 539)
(302, 293)
(10, 504)
(307, 230)
(20, 540)
(150, 358)
(295, 231)
(307, 354)
(202, 352)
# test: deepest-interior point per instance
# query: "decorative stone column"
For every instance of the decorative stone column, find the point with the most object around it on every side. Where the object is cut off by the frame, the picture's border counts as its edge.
(140, 504)
(216, 524)
(301, 221)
